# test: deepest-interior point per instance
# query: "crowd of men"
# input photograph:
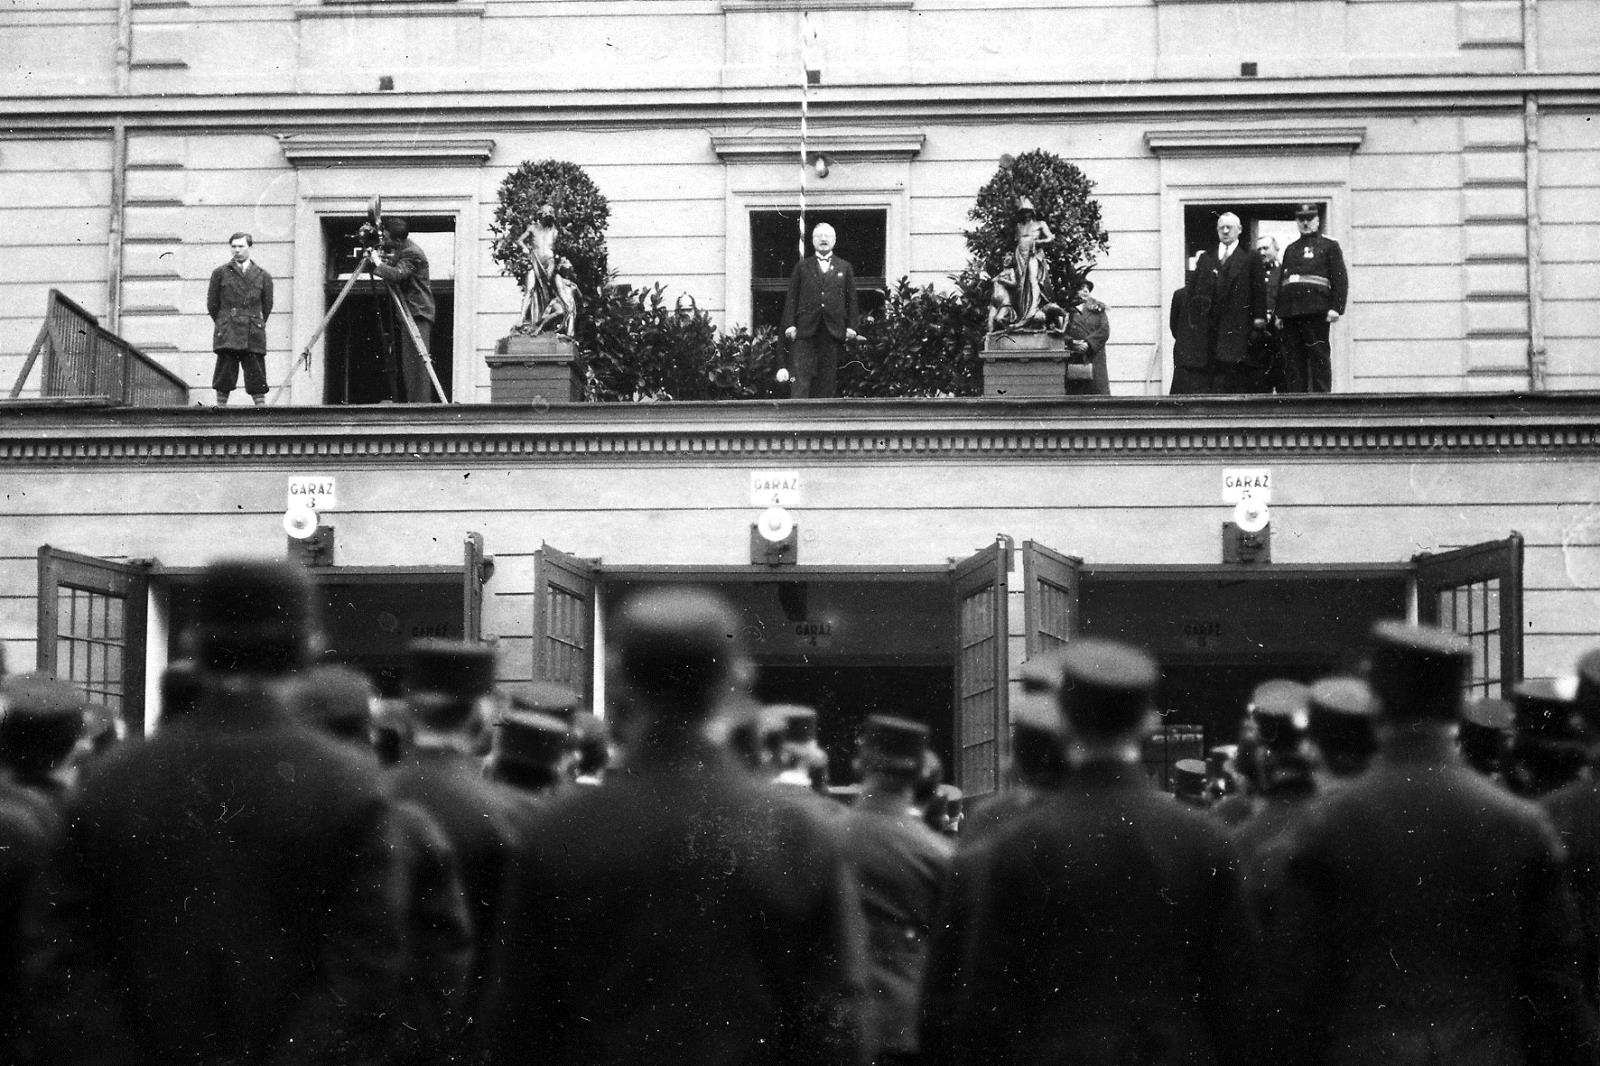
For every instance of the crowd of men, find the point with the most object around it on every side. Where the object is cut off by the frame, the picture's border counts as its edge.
(282, 874)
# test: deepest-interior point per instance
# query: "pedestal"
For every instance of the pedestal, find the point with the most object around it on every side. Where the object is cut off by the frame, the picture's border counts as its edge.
(526, 369)
(1019, 365)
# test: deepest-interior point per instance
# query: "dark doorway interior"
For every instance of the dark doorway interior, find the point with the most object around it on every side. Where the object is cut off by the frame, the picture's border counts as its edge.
(844, 695)
(1255, 218)
(775, 249)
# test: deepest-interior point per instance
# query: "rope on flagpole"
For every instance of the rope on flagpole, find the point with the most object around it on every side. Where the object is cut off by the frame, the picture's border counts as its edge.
(805, 100)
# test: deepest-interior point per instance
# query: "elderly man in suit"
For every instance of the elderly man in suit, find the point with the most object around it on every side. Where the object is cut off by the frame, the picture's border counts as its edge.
(239, 301)
(682, 913)
(1103, 926)
(1424, 915)
(1226, 280)
(225, 891)
(819, 315)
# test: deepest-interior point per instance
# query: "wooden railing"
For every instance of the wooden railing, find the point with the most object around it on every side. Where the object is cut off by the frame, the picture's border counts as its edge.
(83, 358)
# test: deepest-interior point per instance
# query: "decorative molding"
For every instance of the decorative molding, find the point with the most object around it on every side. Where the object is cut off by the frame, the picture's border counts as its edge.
(1256, 140)
(409, 149)
(1488, 426)
(737, 6)
(324, 9)
(762, 147)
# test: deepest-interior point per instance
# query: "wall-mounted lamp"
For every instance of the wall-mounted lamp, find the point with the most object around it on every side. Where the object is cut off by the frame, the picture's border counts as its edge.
(820, 165)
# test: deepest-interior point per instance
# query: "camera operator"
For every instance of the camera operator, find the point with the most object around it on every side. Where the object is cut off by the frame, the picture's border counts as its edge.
(402, 264)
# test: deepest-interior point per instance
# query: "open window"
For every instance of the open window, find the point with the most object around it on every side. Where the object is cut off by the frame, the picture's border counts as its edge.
(563, 620)
(982, 667)
(91, 628)
(1476, 592)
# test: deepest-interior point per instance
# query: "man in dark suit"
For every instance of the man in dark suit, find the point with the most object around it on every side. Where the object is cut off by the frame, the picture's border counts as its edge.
(1424, 916)
(819, 316)
(682, 912)
(404, 265)
(239, 301)
(225, 891)
(1188, 320)
(1265, 369)
(446, 682)
(1225, 279)
(1102, 927)
(900, 866)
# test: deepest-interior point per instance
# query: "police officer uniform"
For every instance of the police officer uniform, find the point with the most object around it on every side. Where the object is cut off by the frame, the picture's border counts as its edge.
(1313, 282)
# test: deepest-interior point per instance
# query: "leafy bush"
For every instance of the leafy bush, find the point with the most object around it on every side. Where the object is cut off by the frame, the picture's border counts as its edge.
(1060, 195)
(581, 215)
(923, 343)
(639, 349)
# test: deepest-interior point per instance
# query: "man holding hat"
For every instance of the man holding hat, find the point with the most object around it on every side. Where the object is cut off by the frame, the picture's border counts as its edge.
(1102, 927)
(1424, 915)
(1311, 297)
(899, 865)
(225, 890)
(683, 913)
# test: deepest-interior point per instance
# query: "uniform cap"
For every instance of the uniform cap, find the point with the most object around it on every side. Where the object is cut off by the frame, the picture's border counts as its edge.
(254, 617)
(1189, 777)
(1106, 686)
(544, 697)
(528, 738)
(1541, 710)
(456, 669)
(1279, 709)
(1042, 673)
(890, 743)
(336, 700)
(1217, 758)
(1343, 714)
(43, 719)
(1488, 713)
(1417, 672)
(952, 798)
(678, 646)
(1306, 210)
(799, 723)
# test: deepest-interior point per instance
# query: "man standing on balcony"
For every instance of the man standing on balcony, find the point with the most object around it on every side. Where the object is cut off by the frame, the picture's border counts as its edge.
(1310, 299)
(239, 301)
(1225, 279)
(819, 316)
(404, 265)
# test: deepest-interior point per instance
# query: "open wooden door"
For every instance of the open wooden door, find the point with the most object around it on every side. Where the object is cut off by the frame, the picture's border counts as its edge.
(91, 629)
(563, 620)
(982, 667)
(1476, 592)
(1052, 592)
(476, 568)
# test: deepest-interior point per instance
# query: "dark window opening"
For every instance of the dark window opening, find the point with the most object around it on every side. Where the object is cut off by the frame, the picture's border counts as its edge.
(364, 335)
(775, 249)
(1275, 220)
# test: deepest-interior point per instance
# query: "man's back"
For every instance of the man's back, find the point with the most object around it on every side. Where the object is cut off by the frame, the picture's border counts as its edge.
(680, 914)
(224, 894)
(1104, 927)
(1424, 919)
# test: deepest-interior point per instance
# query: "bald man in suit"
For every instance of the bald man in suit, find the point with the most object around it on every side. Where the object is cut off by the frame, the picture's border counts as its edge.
(819, 316)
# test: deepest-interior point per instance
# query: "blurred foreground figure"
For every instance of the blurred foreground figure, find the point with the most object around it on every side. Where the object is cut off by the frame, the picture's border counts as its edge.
(1576, 810)
(683, 913)
(224, 892)
(1103, 926)
(1424, 917)
(1038, 750)
(900, 865)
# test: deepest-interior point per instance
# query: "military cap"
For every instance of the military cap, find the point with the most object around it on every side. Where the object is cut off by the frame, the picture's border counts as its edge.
(336, 700)
(254, 617)
(1343, 710)
(1417, 672)
(1306, 211)
(1106, 686)
(1218, 758)
(1542, 710)
(952, 798)
(528, 738)
(890, 743)
(678, 646)
(454, 669)
(1279, 709)
(1586, 698)
(1189, 781)
(754, 733)
(43, 719)
(544, 697)
(1042, 673)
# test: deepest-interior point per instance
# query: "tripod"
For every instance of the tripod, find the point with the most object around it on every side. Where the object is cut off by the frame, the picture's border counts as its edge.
(404, 312)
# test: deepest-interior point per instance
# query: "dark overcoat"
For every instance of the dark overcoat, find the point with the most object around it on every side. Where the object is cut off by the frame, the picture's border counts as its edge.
(239, 303)
(1236, 299)
(1103, 927)
(1576, 812)
(224, 893)
(821, 301)
(1424, 918)
(681, 913)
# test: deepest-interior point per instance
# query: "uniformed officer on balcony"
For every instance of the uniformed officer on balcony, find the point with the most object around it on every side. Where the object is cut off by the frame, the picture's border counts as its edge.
(1311, 298)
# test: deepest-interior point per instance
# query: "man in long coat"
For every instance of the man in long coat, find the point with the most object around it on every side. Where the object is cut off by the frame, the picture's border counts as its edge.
(1424, 916)
(1226, 280)
(682, 913)
(239, 301)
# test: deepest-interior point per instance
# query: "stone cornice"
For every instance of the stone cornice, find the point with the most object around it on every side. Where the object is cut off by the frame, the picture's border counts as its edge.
(840, 146)
(1122, 429)
(1157, 99)
(409, 149)
(1256, 140)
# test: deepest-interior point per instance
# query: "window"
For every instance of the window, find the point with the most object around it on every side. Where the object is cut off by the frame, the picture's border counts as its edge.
(774, 251)
(91, 629)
